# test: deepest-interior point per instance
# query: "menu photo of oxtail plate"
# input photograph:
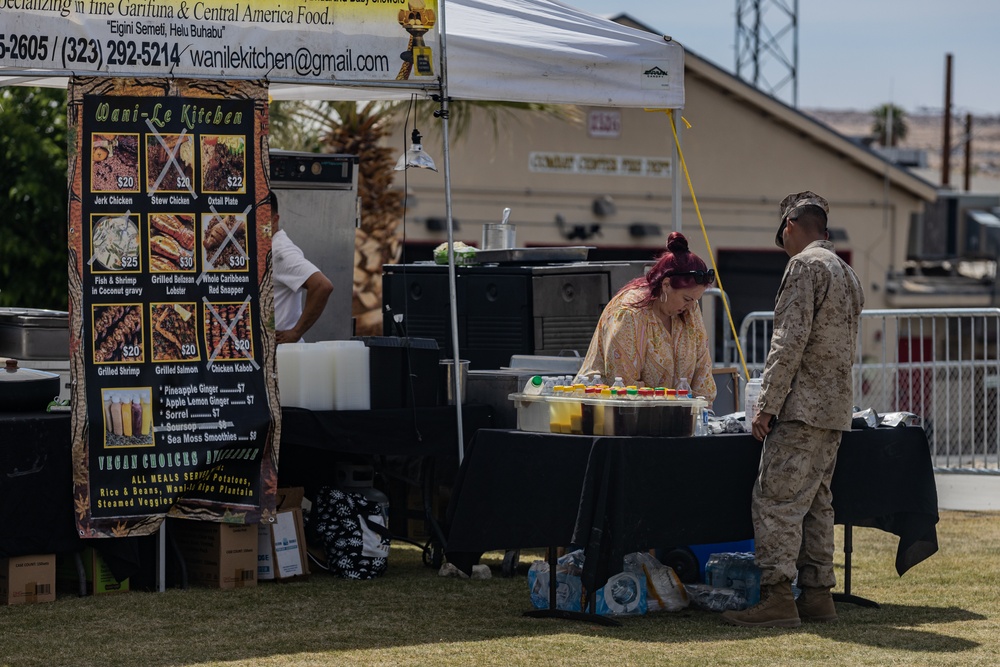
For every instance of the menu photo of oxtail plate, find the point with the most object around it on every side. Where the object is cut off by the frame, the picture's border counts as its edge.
(223, 163)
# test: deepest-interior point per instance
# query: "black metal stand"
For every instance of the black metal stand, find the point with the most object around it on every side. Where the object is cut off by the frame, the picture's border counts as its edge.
(846, 596)
(552, 612)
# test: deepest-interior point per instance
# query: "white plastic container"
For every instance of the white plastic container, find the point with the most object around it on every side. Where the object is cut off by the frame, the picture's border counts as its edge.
(347, 375)
(288, 359)
(533, 415)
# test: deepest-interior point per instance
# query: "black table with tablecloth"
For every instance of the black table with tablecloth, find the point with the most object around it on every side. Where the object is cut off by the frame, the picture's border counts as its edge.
(36, 469)
(416, 447)
(421, 431)
(616, 495)
(36, 484)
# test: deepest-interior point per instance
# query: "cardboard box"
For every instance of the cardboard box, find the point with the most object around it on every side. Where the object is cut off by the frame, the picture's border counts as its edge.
(217, 555)
(28, 579)
(281, 546)
(97, 574)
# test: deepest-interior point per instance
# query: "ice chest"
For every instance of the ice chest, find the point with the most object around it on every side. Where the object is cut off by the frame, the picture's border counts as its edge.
(404, 371)
(601, 416)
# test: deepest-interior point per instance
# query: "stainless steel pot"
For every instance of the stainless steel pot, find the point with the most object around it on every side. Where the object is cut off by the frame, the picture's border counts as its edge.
(26, 389)
(34, 333)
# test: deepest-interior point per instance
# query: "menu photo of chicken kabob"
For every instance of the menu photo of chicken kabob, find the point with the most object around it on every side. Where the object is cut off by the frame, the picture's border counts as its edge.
(228, 334)
(224, 238)
(171, 242)
(174, 336)
(169, 162)
(114, 162)
(118, 333)
(223, 163)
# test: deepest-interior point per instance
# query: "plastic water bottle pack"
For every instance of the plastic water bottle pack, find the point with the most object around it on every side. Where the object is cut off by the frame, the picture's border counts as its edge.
(736, 571)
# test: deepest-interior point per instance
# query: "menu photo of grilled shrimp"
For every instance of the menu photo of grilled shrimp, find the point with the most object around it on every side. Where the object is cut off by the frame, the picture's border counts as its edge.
(223, 163)
(228, 332)
(164, 174)
(171, 242)
(115, 242)
(114, 162)
(118, 333)
(224, 239)
(174, 333)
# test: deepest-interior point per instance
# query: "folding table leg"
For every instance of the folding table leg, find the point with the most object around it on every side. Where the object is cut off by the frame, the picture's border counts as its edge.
(553, 612)
(846, 596)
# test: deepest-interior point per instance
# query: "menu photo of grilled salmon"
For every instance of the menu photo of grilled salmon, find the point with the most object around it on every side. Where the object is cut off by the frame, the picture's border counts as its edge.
(174, 331)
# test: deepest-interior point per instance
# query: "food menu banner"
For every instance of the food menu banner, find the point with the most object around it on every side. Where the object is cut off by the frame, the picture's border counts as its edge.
(172, 340)
(306, 41)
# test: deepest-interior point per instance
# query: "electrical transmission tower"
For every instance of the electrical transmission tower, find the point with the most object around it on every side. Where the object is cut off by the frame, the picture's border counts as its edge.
(767, 46)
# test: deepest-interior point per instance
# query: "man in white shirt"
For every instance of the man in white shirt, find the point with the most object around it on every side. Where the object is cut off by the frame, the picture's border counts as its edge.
(293, 273)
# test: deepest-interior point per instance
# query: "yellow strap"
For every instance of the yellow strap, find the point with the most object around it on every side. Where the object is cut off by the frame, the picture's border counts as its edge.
(701, 222)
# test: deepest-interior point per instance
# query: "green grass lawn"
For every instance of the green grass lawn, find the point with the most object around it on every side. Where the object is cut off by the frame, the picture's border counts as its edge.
(945, 611)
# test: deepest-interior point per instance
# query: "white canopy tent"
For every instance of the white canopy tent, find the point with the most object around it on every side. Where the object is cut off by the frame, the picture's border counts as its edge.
(519, 51)
(539, 51)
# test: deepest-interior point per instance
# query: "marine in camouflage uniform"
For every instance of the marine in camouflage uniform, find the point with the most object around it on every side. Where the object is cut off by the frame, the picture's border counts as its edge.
(807, 387)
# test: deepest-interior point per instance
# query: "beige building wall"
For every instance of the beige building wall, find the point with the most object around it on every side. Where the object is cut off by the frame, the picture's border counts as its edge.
(744, 152)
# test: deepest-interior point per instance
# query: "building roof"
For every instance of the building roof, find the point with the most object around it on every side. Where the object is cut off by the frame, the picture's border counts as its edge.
(822, 135)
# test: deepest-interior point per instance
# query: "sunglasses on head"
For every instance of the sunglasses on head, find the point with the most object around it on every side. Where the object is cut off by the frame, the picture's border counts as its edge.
(700, 277)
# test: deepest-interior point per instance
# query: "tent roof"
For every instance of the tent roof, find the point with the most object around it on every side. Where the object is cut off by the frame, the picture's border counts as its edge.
(520, 51)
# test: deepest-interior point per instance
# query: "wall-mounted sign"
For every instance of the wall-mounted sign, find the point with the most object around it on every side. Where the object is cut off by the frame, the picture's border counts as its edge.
(604, 165)
(604, 124)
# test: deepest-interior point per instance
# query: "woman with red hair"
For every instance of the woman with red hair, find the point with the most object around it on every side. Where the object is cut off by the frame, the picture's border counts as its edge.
(651, 333)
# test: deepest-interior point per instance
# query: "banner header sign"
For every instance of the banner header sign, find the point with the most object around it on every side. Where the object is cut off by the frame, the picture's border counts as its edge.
(317, 41)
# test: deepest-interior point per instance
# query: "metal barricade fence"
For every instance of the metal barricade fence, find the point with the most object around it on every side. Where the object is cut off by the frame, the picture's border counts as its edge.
(941, 364)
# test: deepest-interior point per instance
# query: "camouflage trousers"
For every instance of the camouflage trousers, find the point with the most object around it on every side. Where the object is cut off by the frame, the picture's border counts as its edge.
(792, 505)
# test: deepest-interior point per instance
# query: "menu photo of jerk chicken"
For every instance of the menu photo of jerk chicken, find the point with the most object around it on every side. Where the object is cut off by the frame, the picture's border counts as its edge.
(114, 162)
(171, 242)
(174, 331)
(118, 333)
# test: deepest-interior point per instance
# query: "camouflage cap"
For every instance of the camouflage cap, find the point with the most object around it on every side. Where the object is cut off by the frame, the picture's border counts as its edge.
(792, 202)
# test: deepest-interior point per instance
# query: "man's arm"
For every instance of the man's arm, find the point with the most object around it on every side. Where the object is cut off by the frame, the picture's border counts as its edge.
(318, 289)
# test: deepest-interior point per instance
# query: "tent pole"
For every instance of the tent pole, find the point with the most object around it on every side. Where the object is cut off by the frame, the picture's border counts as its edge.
(676, 201)
(456, 377)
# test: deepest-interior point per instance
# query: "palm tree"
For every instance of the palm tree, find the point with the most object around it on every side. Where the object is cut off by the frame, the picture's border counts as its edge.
(361, 128)
(898, 130)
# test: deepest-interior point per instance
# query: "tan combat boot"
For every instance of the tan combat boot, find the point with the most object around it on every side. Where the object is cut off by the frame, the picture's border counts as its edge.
(776, 609)
(816, 604)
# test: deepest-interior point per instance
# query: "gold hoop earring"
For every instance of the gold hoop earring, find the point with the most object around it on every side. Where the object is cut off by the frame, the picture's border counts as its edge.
(663, 295)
